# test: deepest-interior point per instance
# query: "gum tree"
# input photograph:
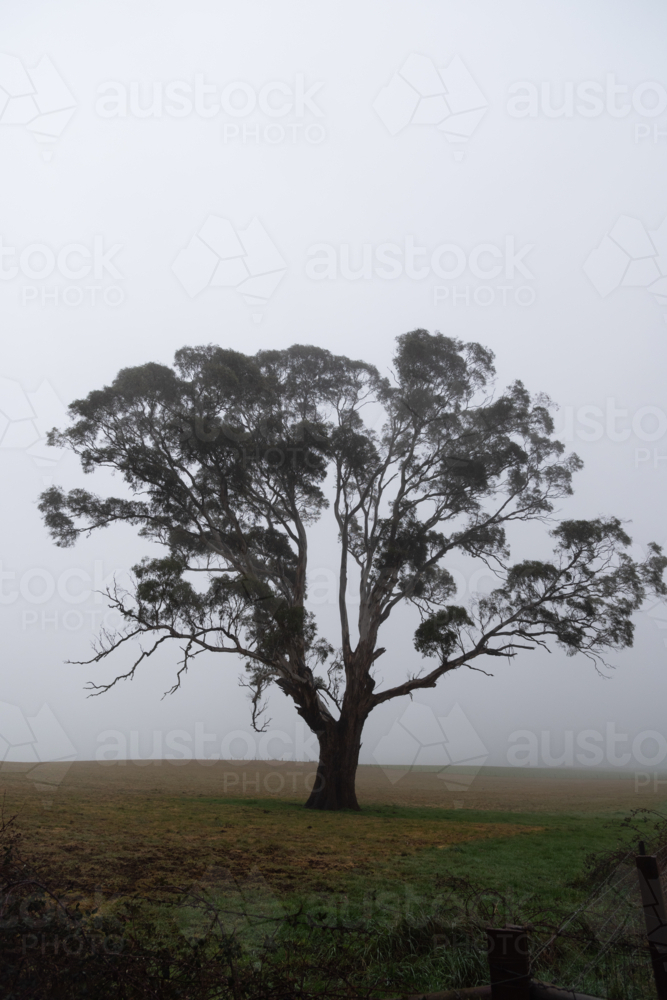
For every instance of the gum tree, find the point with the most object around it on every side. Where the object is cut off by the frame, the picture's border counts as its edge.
(230, 459)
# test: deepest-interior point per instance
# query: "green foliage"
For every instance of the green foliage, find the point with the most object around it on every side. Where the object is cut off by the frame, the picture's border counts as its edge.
(440, 633)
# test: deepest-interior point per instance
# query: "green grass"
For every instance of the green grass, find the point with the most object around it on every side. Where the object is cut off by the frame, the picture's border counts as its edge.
(399, 903)
(541, 864)
(390, 900)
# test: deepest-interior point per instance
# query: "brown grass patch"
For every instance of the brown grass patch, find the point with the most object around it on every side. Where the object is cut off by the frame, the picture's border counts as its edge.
(132, 831)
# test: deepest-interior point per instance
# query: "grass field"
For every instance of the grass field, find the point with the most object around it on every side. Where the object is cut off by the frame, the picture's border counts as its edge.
(140, 826)
(416, 859)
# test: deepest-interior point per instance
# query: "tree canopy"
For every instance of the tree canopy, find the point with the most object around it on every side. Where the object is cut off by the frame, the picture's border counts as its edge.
(229, 459)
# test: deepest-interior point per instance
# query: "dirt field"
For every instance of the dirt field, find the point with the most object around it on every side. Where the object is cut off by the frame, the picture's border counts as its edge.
(509, 789)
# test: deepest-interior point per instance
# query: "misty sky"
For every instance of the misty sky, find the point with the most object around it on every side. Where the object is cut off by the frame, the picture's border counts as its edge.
(258, 174)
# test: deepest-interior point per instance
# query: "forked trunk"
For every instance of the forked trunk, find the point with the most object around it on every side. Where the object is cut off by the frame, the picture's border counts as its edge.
(334, 786)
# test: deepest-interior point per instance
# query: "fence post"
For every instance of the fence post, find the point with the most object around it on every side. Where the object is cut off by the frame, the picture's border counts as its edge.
(655, 916)
(509, 963)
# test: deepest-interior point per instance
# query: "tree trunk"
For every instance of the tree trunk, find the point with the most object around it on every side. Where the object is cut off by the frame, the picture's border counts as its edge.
(334, 787)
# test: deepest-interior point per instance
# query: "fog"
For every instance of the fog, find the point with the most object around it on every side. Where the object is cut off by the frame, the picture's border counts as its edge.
(256, 175)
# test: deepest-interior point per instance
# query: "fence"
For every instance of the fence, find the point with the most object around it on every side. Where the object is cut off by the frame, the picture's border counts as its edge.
(222, 936)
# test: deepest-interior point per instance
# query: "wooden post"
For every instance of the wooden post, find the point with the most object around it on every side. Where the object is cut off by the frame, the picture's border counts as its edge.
(509, 963)
(655, 916)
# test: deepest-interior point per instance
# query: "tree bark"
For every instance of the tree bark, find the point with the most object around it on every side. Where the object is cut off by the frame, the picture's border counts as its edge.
(334, 786)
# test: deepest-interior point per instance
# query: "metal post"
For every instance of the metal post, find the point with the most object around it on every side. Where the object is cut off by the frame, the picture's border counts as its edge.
(655, 916)
(509, 963)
